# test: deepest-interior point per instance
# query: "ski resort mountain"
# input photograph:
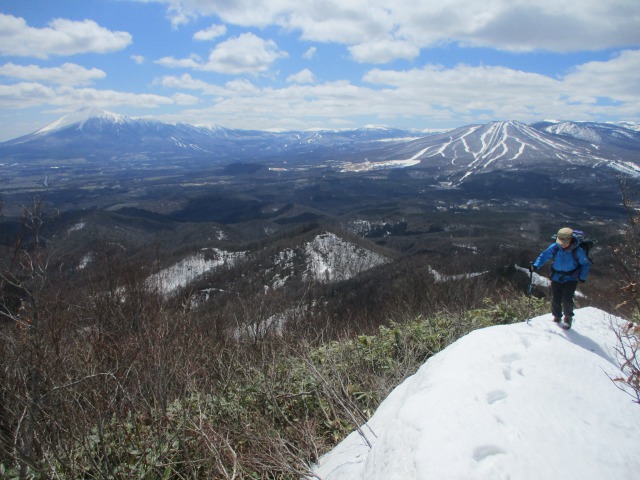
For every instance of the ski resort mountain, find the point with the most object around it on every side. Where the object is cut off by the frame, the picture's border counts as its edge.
(514, 146)
(526, 401)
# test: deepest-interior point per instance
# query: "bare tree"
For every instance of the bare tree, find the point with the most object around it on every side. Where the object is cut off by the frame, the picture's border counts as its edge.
(28, 306)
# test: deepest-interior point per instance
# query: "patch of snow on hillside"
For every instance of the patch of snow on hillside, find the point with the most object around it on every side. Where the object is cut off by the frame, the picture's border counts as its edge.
(467, 246)
(84, 261)
(542, 281)
(368, 166)
(76, 227)
(576, 131)
(219, 234)
(628, 168)
(331, 259)
(524, 401)
(179, 275)
(284, 262)
(629, 125)
(364, 227)
(441, 278)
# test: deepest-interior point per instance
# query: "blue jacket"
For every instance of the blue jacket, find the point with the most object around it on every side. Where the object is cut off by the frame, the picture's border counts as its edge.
(569, 265)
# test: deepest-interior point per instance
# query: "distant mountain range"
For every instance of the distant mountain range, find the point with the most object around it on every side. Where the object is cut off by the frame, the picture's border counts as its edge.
(99, 136)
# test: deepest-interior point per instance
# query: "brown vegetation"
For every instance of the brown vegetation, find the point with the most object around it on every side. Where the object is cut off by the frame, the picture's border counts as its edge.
(105, 378)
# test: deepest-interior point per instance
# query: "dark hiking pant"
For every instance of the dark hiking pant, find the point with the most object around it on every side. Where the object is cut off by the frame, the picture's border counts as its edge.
(562, 298)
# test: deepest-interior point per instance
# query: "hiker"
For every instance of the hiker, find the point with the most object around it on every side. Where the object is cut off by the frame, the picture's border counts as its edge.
(569, 266)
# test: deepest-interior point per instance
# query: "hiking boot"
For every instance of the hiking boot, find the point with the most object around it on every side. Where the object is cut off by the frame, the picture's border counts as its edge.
(556, 319)
(567, 322)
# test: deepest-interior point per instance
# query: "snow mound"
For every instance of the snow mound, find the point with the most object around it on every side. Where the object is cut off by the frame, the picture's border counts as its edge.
(522, 401)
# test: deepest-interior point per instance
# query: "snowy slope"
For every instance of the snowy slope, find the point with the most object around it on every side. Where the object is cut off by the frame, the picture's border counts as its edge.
(169, 280)
(524, 401)
(331, 259)
(325, 259)
(80, 117)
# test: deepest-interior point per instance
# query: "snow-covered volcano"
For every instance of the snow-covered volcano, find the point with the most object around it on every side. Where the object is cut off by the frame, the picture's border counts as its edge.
(79, 118)
(523, 401)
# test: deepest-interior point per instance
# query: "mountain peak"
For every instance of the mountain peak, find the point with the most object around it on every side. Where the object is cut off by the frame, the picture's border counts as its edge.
(79, 117)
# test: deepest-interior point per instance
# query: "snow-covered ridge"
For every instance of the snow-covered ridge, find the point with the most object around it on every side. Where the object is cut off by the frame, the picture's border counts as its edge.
(180, 274)
(331, 259)
(523, 401)
(575, 130)
(327, 258)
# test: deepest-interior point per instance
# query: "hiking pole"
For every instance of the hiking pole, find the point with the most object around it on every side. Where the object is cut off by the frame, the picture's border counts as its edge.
(530, 291)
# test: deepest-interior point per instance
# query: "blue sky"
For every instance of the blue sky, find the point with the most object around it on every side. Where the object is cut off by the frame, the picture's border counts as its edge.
(299, 64)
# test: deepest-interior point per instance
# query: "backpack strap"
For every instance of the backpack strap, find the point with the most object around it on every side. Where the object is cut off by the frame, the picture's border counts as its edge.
(574, 254)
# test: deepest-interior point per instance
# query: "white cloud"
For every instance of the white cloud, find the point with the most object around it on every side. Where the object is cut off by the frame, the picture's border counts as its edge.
(61, 37)
(213, 32)
(246, 53)
(303, 76)
(431, 95)
(185, 99)
(383, 51)
(410, 25)
(187, 82)
(25, 94)
(310, 53)
(78, 98)
(193, 62)
(616, 79)
(31, 94)
(233, 88)
(139, 59)
(66, 74)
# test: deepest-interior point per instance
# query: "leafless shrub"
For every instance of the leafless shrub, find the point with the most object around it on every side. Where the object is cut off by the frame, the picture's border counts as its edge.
(627, 255)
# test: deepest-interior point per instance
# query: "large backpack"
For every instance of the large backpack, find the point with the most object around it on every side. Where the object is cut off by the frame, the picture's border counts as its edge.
(584, 242)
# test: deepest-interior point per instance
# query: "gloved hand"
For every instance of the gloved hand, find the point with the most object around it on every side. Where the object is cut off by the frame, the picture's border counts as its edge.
(532, 267)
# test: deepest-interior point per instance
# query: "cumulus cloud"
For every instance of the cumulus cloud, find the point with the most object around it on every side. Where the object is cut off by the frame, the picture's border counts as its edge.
(139, 59)
(61, 37)
(310, 53)
(246, 53)
(66, 74)
(211, 33)
(432, 94)
(185, 99)
(384, 51)
(410, 25)
(239, 87)
(303, 76)
(25, 94)
(616, 78)
(192, 62)
(33, 94)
